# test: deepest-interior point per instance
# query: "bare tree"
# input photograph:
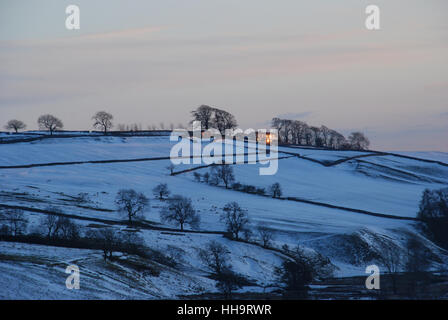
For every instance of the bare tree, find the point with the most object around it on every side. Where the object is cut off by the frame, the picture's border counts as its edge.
(247, 234)
(110, 241)
(228, 281)
(197, 176)
(266, 235)
(417, 263)
(222, 173)
(171, 168)
(224, 120)
(103, 121)
(298, 130)
(49, 122)
(275, 190)
(288, 124)
(294, 276)
(50, 223)
(337, 140)
(15, 125)
(433, 204)
(418, 255)
(308, 136)
(206, 177)
(131, 242)
(203, 114)
(161, 191)
(391, 258)
(325, 135)
(235, 218)
(83, 198)
(278, 124)
(54, 226)
(107, 239)
(285, 129)
(131, 203)
(358, 141)
(214, 256)
(16, 221)
(315, 131)
(67, 229)
(180, 211)
(4, 230)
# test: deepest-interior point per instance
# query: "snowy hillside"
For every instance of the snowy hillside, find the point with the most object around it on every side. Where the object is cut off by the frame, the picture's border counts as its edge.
(341, 195)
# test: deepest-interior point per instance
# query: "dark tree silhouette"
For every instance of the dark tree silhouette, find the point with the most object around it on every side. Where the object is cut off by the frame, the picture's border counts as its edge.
(228, 281)
(215, 256)
(197, 176)
(358, 141)
(275, 190)
(107, 239)
(203, 114)
(235, 218)
(103, 121)
(131, 203)
(50, 123)
(15, 125)
(294, 276)
(15, 221)
(67, 229)
(266, 235)
(222, 173)
(161, 191)
(390, 257)
(433, 211)
(171, 168)
(224, 120)
(298, 132)
(417, 263)
(49, 223)
(180, 210)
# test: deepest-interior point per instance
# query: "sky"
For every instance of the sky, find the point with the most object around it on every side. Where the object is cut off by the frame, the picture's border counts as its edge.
(149, 62)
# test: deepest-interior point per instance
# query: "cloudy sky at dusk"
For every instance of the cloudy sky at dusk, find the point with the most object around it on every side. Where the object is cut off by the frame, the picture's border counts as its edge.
(154, 61)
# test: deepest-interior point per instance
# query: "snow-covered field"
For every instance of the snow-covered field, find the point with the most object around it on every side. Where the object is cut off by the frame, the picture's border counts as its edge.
(379, 184)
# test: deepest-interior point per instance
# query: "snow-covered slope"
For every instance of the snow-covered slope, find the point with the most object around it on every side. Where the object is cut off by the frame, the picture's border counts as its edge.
(378, 184)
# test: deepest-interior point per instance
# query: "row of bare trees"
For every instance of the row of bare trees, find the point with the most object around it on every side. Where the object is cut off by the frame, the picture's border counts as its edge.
(177, 210)
(138, 127)
(299, 132)
(162, 126)
(290, 131)
(223, 174)
(55, 228)
(13, 222)
(102, 121)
